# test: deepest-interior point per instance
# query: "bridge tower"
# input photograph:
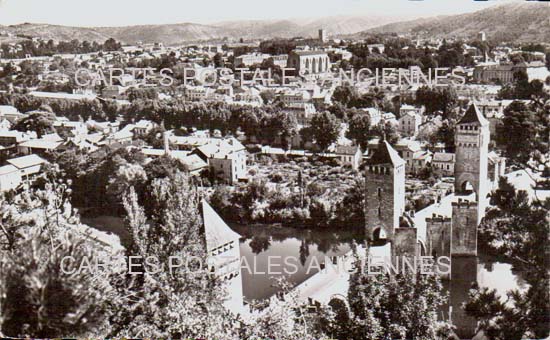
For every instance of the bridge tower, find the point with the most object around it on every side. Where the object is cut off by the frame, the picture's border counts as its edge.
(385, 192)
(472, 148)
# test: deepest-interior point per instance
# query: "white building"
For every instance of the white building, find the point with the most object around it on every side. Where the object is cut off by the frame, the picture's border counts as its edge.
(444, 163)
(226, 158)
(409, 123)
(10, 177)
(349, 155)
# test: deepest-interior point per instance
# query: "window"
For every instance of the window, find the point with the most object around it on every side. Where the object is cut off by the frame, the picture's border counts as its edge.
(379, 192)
(379, 212)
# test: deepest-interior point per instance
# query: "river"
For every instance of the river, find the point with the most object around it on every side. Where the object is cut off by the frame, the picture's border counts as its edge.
(309, 247)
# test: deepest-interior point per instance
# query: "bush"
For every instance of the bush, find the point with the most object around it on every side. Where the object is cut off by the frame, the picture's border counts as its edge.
(276, 178)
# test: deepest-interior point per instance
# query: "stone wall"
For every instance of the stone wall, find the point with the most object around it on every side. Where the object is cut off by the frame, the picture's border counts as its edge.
(438, 242)
(464, 228)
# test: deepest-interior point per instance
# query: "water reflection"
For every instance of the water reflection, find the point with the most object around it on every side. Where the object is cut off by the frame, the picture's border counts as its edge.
(304, 249)
(260, 242)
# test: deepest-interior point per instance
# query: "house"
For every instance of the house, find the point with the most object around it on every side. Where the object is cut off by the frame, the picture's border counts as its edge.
(407, 149)
(375, 115)
(113, 92)
(10, 177)
(10, 113)
(123, 136)
(409, 123)
(29, 165)
(444, 163)
(13, 137)
(349, 155)
(197, 93)
(188, 143)
(193, 163)
(377, 48)
(251, 59)
(70, 128)
(80, 143)
(143, 127)
(103, 127)
(226, 159)
(302, 111)
(421, 160)
(38, 146)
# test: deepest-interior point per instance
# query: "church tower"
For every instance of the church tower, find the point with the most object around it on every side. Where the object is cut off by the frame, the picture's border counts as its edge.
(472, 148)
(385, 192)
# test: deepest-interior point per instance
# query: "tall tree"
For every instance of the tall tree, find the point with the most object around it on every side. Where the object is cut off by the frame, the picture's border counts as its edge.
(184, 303)
(380, 307)
(325, 129)
(37, 297)
(517, 230)
(359, 129)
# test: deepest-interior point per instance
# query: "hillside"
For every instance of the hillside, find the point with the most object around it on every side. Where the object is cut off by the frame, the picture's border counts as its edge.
(185, 32)
(167, 34)
(521, 22)
(335, 26)
(55, 32)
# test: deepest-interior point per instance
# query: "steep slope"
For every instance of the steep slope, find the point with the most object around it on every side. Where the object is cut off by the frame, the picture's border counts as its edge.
(167, 34)
(521, 21)
(55, 32)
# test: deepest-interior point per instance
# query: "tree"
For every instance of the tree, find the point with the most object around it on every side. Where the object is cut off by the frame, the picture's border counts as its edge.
(521, 88)
(380, 307)
(325, 129)
(359, 129)
(281, 125)
(445, 134)
(437, 99)
(37, 298)
(346, 95)
(39, 122)
(284, 317)
(111, 45)
(268, 96)
(218, 60)
(517, 230)
(186, 303)
(519, 124)
(386, 130)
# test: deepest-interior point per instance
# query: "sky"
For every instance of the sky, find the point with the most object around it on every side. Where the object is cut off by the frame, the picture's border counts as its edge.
(142, 12)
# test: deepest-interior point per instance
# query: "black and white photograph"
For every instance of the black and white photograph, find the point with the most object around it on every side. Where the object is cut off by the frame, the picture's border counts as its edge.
(275, 170)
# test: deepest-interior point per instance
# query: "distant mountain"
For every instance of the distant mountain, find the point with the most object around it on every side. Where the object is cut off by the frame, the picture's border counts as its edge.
(55, 32)
(185, 32)
(261, 28)
(518, 21)
(521, 21)
(168, 34)
(334, 26)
